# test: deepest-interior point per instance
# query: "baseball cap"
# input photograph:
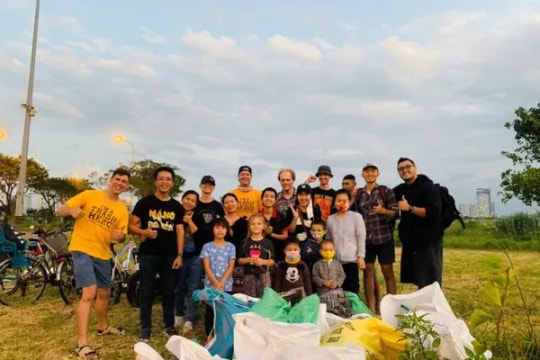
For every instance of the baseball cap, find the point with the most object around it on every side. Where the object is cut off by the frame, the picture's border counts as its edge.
(324, 169)
(302, 188)
(208, 179)
(370, 165)
(245, 168)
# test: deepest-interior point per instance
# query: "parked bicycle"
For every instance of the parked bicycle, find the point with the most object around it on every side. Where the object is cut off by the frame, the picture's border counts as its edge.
(121, 268)
(123, 263)
(22, 277)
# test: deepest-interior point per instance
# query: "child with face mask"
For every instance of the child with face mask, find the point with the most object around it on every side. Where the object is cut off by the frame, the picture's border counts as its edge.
(328, 276)
(292, 279)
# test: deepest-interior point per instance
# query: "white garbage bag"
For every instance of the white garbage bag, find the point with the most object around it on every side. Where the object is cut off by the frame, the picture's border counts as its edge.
(146, 352)
(257, 338)
(430, 300)
(185, 349)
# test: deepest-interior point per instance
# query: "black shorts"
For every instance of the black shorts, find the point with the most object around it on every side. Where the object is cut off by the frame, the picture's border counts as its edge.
(386, 253)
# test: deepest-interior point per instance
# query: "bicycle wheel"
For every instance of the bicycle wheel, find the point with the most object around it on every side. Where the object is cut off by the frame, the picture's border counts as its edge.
(66, 282)
(7, 281)
(133, 290)
(23, 285)
(116, 286)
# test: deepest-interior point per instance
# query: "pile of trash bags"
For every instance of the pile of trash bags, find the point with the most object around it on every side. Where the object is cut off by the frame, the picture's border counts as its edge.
(270, 328)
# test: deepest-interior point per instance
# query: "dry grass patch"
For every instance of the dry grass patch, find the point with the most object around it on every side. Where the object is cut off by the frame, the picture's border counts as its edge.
(46, 329)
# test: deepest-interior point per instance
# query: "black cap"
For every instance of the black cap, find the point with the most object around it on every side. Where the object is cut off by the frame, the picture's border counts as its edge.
(302, 188)
(208, 179)
(245, 168)
(324, 169)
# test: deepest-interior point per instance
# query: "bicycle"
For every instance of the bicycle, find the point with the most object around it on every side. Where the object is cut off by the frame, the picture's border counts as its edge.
(120, 272)
(122, 269)
(21, 274)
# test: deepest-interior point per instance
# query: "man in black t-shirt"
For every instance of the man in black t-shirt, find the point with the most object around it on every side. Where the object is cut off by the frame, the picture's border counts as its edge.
(158, 220)
(323, 195)
(207, 210)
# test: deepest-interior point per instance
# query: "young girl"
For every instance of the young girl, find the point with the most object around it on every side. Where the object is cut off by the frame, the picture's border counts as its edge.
(277, 224)
(257, 257)
(236, 236)
(347, 230)
(191, 270)
(218, 259)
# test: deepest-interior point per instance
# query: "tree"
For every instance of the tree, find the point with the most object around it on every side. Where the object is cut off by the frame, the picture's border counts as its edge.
(9, 178)
(523, 180)
(142, 178)
(141, 182)
(54, 191)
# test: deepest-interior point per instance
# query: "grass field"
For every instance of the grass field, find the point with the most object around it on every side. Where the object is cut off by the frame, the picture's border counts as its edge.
(46, 329)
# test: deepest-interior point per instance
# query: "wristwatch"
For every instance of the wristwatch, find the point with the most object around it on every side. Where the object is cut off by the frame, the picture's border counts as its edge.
(180, 254)
(411, 208)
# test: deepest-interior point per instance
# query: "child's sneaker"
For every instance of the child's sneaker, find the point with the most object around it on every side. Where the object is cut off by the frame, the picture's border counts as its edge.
(188, 327)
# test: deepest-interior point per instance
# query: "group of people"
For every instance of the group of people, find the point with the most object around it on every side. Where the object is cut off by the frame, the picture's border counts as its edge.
(297, 240)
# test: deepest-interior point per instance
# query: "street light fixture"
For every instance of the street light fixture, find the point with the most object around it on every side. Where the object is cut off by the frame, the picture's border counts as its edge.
(2, 134)
(29, 113)
(120, 139)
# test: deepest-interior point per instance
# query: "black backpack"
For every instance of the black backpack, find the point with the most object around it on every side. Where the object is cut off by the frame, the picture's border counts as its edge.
(449, 211)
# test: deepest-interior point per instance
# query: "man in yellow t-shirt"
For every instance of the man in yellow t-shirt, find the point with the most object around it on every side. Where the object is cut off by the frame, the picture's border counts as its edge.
(100, 216)
(249, 199)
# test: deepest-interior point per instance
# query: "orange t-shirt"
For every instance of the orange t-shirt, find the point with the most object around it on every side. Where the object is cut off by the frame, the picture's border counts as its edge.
(249, 202)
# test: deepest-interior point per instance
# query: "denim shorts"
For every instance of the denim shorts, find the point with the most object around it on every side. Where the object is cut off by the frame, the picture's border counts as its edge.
(91, 271)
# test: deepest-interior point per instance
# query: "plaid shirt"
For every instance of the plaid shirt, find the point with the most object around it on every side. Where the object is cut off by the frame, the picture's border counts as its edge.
(282, 205)
(379, 228)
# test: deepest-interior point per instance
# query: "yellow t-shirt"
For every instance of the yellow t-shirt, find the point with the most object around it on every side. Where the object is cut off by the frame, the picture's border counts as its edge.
(92, 233)
(249, 202)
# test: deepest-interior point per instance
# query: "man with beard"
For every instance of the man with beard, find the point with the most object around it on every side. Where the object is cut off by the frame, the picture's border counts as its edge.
(420, 230)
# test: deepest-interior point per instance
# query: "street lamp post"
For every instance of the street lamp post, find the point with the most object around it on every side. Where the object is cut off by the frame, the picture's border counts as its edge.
(29, 112)
(120, 139)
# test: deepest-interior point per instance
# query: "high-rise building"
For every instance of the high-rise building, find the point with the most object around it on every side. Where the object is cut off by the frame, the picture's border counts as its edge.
(465, 210)
(483, 202)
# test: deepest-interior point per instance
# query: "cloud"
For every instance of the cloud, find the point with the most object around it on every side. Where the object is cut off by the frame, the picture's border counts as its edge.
(152, 37)
(292, 47)
(436, 87)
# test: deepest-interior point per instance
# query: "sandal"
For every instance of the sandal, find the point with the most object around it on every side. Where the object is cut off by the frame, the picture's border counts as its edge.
(111, 330)
(86, 352)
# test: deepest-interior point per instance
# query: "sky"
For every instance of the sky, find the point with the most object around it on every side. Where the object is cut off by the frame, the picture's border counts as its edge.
(208, 86)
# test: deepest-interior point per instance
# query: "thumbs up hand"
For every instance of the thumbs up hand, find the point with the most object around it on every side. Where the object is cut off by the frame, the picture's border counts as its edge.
(403, 204)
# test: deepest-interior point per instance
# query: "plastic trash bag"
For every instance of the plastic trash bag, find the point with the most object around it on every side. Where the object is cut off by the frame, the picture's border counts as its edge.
(379, 339)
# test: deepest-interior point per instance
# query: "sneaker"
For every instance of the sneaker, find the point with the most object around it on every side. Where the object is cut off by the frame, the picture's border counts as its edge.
(169, 332)
(145, 336)
(187, 328)
(178, 321)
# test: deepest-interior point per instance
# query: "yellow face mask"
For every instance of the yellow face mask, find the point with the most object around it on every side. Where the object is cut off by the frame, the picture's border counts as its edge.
(328, 254)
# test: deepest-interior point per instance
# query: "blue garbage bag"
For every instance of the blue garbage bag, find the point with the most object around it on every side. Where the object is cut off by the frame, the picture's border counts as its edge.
(225, 306)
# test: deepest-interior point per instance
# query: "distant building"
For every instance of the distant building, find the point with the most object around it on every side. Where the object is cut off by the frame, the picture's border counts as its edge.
(28, 203)
(465, 210)
(483, 202)
(492, 209)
